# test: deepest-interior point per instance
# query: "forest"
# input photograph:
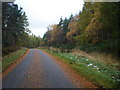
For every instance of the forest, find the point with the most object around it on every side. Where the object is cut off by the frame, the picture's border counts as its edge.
(94, 29)
(15, 31)
(87, 42)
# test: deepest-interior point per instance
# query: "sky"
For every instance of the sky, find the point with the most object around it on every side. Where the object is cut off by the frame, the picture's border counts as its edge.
(42, 13)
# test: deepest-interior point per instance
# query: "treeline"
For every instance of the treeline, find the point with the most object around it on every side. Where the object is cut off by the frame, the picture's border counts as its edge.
(15, 34)
(95, 28)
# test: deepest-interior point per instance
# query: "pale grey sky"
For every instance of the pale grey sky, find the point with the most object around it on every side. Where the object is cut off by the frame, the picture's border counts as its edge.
(42, 13)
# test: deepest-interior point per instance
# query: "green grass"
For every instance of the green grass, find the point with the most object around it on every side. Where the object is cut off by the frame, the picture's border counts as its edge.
(11, 58)
(99, 74)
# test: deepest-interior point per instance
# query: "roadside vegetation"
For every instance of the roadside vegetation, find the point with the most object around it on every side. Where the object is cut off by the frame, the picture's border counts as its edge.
(16, 35)
(95, 29)
(12, 58)
(101, 75)
(15, 31)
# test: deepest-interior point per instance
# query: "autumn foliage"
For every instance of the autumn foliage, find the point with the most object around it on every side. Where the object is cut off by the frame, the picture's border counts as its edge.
(95, 28)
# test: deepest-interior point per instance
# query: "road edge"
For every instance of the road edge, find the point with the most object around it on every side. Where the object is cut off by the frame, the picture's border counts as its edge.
(85, 82)
(12, 66)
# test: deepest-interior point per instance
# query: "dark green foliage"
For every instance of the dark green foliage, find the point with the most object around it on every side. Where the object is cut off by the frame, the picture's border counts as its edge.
(15, 33)
(56, 34)
(8, 50)
(95, 28)
(103, 30)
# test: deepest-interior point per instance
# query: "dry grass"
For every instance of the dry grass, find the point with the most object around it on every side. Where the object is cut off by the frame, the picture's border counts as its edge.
(88, 65)
(99, 57)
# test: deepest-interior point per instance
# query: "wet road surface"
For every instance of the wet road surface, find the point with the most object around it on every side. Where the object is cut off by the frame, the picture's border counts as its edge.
(37, 70)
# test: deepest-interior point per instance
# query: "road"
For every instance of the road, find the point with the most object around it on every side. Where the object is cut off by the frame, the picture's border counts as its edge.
(37, 70)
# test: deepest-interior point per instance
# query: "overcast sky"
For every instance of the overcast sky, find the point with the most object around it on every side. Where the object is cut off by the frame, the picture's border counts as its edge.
(42, 13)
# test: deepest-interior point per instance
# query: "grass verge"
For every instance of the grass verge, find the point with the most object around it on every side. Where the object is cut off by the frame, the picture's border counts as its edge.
(99, 74)
(11, 58)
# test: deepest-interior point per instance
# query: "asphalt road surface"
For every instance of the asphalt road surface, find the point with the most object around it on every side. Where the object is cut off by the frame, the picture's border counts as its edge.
(37, 70)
